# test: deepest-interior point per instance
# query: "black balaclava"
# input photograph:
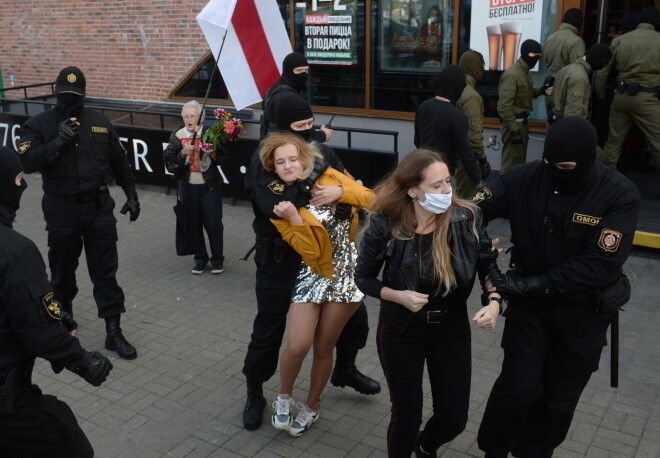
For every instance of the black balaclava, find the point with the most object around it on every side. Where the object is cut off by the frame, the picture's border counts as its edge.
(571, 139)
(649, 15)
(292, 108)
(629, 21)
(451, 82)
(70, 91)
(298, 81)
(598, 56)
(573, 17)
(10, 194)
(472, 63)
(533, 47)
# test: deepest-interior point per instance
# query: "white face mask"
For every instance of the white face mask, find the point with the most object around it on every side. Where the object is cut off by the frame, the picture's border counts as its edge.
(436, 203)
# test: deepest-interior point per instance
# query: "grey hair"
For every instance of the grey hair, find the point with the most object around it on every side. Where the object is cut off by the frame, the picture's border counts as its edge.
(193, 103)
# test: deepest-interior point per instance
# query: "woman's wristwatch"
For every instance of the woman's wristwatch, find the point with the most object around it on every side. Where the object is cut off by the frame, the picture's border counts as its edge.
(499, 300)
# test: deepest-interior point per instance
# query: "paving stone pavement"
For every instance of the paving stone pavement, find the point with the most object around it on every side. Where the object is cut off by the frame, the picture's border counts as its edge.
(184, 394)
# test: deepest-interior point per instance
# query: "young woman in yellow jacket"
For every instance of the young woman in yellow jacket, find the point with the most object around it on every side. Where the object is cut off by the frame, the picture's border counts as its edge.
(324, 296)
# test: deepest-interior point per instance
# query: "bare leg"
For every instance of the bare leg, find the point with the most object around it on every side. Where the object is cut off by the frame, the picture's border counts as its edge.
(301, 327)
(331, 322)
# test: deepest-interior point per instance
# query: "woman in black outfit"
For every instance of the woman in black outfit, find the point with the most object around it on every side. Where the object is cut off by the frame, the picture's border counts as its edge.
(432, 245)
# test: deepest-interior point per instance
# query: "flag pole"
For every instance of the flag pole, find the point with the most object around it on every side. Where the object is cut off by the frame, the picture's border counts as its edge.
(206, 97)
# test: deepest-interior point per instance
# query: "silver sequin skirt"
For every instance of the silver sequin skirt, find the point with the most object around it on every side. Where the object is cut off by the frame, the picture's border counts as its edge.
(310, 287)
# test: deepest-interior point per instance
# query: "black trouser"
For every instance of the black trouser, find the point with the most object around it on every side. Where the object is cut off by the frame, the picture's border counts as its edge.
(207, 204)
(92, 224)
(277, 268)
(445, 348)
(42, 427)
(550, 351)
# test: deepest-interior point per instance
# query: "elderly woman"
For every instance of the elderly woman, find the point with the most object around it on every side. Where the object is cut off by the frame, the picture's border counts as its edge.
(324, 296)
(199, 186)
(432, 245)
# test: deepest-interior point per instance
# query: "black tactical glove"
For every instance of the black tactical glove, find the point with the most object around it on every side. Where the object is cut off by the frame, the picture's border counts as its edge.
(342, 211)
(514, 285)
(132, 205)
(484, 166)
(94, 368)
(516, 137)
(547, 84)
(68, 321)
(68, 130)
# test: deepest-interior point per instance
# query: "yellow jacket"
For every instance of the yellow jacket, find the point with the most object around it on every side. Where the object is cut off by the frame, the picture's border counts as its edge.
(310, 240)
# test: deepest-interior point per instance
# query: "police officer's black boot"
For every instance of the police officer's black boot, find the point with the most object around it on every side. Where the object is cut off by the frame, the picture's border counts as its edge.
(255, 405)
(346, 374)
(115, 340)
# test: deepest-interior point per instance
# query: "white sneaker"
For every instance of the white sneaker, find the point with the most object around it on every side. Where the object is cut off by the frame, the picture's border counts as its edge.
(305, 418)
(282, 416)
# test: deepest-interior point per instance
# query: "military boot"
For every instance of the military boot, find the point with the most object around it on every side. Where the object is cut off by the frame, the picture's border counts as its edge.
(115, 340)
(346, 374)
(254, 406)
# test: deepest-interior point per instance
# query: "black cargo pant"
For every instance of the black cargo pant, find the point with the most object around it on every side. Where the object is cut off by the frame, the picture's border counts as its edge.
(550, 351)
(42, 427)
(277, 268)
(91, 224)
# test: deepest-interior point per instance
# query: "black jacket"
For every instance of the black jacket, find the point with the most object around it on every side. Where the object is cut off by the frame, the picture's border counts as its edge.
(575, 243)
(80, 166)
(30, 326)
(469, 255)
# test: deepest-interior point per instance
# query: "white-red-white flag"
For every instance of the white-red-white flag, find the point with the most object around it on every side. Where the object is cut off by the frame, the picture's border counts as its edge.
(256, 43)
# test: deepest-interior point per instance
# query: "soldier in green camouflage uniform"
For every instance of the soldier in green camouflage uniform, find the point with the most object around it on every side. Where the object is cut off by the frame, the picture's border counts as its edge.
(563, 47)
(636, 56)
(572, 89)
(472, 104)
(515, 102)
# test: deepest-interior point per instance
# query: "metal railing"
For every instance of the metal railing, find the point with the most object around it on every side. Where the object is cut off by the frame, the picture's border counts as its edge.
(26, 100)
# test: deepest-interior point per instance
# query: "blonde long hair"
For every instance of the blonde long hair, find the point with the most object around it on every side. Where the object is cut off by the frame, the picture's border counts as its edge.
(392, 200)
(306, 151)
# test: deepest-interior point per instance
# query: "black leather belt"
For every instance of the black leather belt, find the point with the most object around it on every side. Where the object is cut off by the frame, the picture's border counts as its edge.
(431, 316)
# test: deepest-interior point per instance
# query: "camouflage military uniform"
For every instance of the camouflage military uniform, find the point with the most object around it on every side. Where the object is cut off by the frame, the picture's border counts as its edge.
(572, 90)
(561, 48)
(515, 102)
(636, 56)
(472, 104)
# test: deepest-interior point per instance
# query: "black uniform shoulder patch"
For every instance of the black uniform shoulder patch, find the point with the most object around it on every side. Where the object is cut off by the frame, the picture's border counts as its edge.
(276, 187)
(23, 147)
(609, 240)
(481, 195)
(53, 308)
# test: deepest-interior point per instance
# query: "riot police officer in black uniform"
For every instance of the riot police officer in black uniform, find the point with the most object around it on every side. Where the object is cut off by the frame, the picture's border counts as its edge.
(75, 148)
(572, 225)
(32, 324)
(277, 267)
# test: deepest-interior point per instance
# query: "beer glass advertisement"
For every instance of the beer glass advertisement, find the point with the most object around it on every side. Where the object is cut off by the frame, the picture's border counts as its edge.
(498, 28)
(330, 32)
(415, 34)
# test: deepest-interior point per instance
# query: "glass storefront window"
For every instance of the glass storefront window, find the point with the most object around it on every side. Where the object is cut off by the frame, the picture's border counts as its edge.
(195, 87)
(411, 43)
(330, 33)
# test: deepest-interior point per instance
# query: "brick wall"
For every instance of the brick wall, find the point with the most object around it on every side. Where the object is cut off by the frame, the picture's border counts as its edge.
(135, 50)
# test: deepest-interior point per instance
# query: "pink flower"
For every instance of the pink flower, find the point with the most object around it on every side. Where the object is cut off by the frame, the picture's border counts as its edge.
(219, 113)
(207, 147)
(229, 127)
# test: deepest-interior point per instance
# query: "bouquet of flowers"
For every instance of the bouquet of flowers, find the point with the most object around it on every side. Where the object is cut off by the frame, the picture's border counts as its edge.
(226, 129)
